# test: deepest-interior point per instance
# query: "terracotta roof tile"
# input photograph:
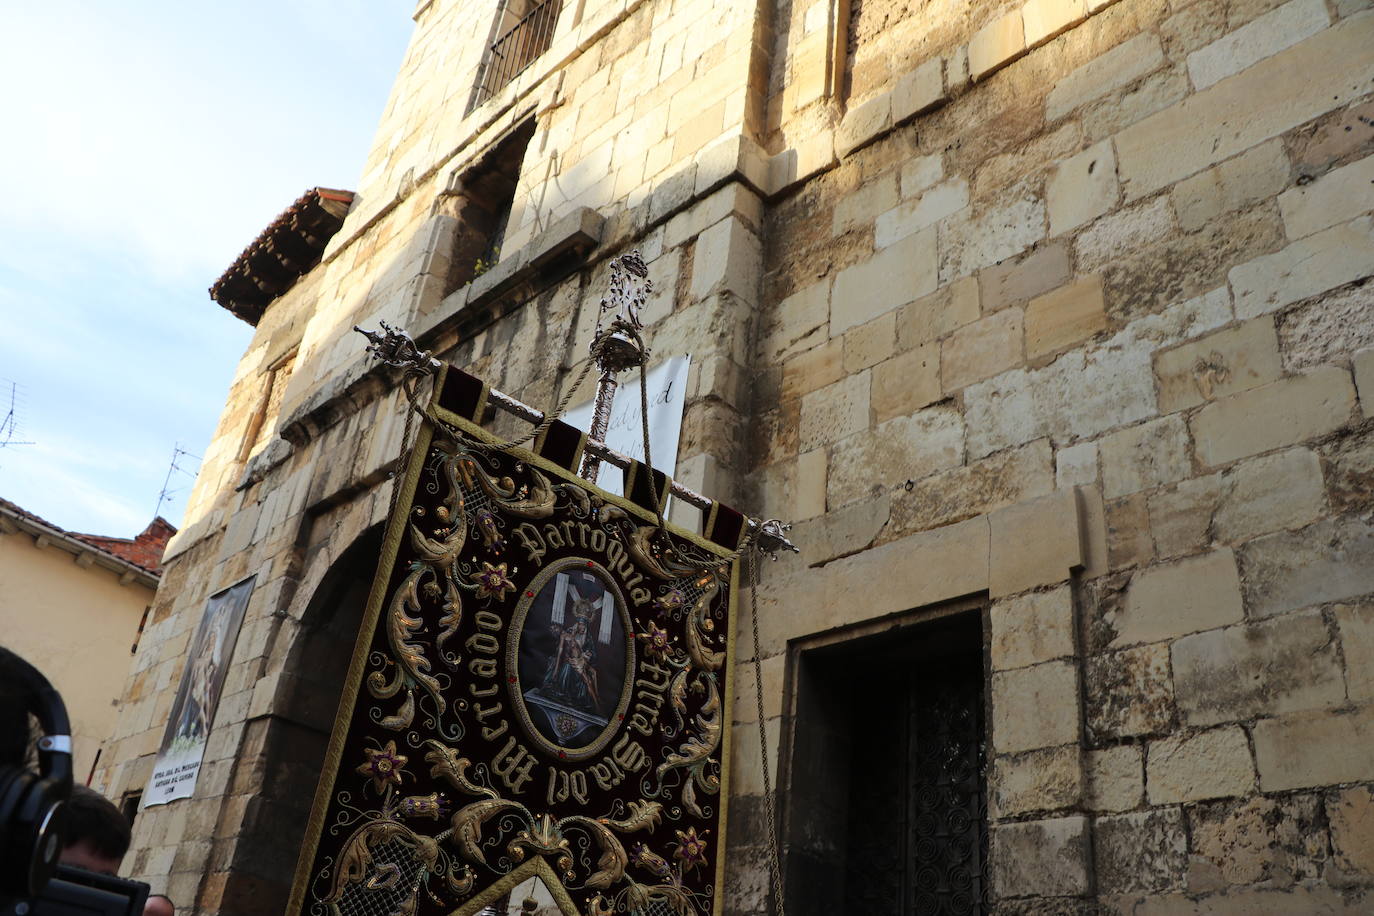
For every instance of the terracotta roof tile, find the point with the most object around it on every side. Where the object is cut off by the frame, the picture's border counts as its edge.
(282, 253)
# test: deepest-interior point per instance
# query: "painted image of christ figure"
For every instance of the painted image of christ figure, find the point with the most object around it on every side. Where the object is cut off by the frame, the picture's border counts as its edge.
(572, 656)
(572, 673)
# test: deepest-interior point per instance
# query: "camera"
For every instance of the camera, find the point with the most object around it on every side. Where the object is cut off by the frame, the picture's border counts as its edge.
(78, 892)
(34, 806)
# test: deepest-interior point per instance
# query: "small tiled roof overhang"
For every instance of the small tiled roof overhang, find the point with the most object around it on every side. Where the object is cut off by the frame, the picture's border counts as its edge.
(284, 252)
(134, 559)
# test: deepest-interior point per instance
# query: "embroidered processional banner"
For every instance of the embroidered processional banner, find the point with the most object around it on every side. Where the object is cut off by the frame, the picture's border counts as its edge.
(540, 690)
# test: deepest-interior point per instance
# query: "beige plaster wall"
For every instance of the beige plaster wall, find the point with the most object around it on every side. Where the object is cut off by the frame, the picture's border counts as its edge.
(76, 624)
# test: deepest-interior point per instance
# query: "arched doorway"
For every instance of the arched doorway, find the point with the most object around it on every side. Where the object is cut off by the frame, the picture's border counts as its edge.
(283, 750)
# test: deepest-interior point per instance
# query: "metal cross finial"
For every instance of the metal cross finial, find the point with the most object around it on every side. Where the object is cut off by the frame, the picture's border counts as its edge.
(616, 345)
(395, 348)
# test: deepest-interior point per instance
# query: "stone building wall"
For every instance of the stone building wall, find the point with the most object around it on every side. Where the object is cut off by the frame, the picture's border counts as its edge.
(1062, 309)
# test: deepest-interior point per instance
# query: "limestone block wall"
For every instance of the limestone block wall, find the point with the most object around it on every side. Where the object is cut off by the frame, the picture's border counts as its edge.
(288, 510)
(1064, 307)
(1074, 313)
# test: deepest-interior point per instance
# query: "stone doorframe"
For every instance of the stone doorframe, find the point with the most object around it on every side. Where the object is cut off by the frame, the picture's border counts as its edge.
(1026, 559)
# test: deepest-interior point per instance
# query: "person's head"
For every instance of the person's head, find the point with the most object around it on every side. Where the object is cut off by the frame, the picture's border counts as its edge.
(97, 832)
(159, 905)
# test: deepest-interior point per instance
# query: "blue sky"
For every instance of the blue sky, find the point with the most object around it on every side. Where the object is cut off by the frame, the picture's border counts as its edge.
(145, 144)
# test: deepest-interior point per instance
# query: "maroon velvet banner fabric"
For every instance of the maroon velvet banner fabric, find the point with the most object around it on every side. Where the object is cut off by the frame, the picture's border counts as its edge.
(543, 676)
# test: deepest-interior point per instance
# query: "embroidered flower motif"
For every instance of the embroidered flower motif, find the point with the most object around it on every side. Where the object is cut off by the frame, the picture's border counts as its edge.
(433, 806)
(648, 860)
(656, 641)
(384, 767)
(690, 848)
(670, 601)
(492, 581)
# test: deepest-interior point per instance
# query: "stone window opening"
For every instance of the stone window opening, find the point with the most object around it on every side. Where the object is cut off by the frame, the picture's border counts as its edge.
(481, 201)
(522, 32)
(886, 790)
(262, 422)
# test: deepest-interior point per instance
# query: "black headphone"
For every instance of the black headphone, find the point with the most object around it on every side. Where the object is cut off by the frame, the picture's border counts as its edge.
(33, 806)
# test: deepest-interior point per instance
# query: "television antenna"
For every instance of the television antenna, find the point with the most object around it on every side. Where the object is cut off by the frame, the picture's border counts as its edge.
(9, 423)
(167, 489)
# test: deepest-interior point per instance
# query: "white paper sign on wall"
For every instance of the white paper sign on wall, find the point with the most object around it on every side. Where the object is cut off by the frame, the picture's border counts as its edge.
(667, 393)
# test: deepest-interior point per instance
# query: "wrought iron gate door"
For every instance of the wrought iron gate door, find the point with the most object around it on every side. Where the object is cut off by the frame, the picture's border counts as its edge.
(917, 793)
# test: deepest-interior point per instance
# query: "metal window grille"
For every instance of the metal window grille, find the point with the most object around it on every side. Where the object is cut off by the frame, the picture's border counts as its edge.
(517, 48)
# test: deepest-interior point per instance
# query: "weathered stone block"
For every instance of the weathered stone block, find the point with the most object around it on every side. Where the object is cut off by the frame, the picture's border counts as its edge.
(813, 369)
(1045, 19)
(1363, 363)
(869, 344)
(1031, 628)
(917, 213)
(1145, 456)
(1336, 197)
(920, 569)
(1327, 329)
(1088, 391)
(1036, 542)
(1044, 780)
(1356, 624)
(900, 273)
(1065, 317)
(1351, 815)
(905, 383)
(1236, 114)
(1218, 365)
(1129, 693)
(1082, 188)
(1035, 707)
(983, 349)
(1210, 764)
(1104, 74)
(835, 411)
(919, 90)
(1271, 668)
(1236, 184)
(861, 207)
(975, 488)
(798, 323)
(1145, 852)
(1272, 840)
(810, 483)
(969, 243)
(1125, 232)
(1257, 39)
(1278, 491)
(1046, 858)
(996, 44)
(727, 259)
(900, 449)
(919, 173)
(1312, 265)
(1272, 416)
(1076, 465)
(1348, 463)
(1327, 561)
(1170, 600)
(1116, 780)
(932, 317)
(1015, 282)
(1315, 749)
(809, 156)
(842, 531)
(864, 124)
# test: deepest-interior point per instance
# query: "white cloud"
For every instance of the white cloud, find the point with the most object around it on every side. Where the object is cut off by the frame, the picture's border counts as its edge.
(146, 144)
